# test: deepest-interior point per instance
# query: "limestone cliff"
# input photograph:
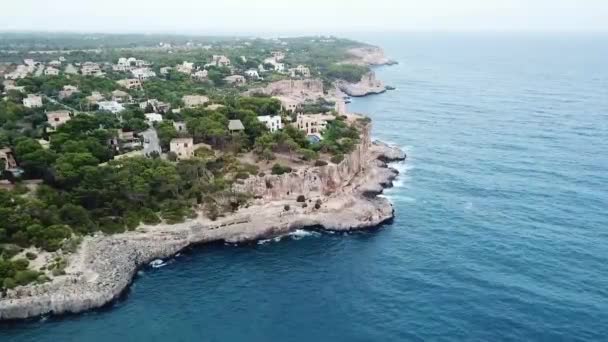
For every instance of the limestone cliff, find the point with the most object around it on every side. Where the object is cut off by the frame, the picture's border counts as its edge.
(366, 86)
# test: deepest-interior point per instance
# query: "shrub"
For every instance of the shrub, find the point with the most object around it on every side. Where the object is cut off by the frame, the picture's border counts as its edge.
(286, 207)
(268, 184)
(9, 283)
(21, 264)
(262, 174)
(318, 204)
(31, 256)
(301, 199)
(172, 156)
(149, 217)
(26, 277)
(278, 169)
(304, 205)
(242, 175)
(320, 163)
(337, 159)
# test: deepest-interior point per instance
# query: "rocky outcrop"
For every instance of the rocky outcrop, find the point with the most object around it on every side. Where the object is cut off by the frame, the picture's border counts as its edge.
(367, 86)
(308, 88)
(104, 266)
(369, 55)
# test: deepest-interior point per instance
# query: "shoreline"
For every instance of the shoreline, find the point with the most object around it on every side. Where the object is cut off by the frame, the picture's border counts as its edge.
(104, 267)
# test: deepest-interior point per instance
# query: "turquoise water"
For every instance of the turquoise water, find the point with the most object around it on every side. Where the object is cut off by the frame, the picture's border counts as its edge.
(501, 230)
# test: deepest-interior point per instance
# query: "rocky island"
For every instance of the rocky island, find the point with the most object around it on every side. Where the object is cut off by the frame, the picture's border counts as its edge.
(308, 164)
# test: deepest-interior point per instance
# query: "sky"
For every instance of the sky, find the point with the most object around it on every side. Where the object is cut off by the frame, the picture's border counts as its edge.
(302, 16)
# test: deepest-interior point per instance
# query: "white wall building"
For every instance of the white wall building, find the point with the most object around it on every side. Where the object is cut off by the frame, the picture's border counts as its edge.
(32, 101)
(272, 122)
(110, 106)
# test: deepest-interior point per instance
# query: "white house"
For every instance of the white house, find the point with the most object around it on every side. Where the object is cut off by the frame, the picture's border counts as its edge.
(252, 73)
(32, 101)
(143, 74)
(201, 75)
(50, 71)
(272, 122)
(153, 117)
(110, 106)
(185, 68)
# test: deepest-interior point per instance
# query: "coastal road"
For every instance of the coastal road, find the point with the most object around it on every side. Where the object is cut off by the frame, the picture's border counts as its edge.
(151, 142)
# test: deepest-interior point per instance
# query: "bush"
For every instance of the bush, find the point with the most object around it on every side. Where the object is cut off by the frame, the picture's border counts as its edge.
(318, 204)
(301, 199)
(26, 277)
(172, 156)
(320, 163)
(21, 264)
(304, 205)
(149, 217)
(132, 220)
(278, 169)
(286, 207)
(262, 174)
(242, 175)
(337, 159)
(9, 283)
(31, 256)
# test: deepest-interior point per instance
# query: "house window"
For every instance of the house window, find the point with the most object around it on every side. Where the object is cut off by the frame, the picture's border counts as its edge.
(185, 145)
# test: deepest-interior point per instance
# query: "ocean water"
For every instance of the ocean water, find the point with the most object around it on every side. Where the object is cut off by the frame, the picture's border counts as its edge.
(501, 231)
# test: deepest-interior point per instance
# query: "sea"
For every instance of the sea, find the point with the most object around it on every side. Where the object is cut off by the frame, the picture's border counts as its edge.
(501, 227)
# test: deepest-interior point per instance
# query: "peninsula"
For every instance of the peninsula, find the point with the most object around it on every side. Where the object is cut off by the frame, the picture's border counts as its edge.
(115, 156)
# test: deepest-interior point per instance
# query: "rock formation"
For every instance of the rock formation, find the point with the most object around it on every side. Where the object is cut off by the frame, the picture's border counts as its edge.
(367, 86)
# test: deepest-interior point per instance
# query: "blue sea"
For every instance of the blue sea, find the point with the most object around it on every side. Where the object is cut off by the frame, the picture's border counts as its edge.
(501, 231)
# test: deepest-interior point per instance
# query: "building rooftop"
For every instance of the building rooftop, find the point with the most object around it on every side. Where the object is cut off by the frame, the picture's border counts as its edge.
(236, 125)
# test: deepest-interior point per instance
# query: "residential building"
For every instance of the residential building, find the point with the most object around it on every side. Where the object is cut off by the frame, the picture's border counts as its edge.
(185, 67)
(7, 159)
(10, 85)
(55, 63)
(153, 117)
(182, 147)
(57, 118)
(235, 79)
(143, 74)
(91, 69)
(128, 139)
(313, 123)
(121, 96)
(29, 62)
(110, 106)
(272, 122)
(94, 97)
(235, 126)
(221, 61)
(300, 70)
(129, 83)
(32, 101)
(68, 91)
(191, 101)
(165, 70)
(201, 75)
(288, 104)
(252, 73)
(278, 55)
(156, 106)
(50, 71)
(180, 126)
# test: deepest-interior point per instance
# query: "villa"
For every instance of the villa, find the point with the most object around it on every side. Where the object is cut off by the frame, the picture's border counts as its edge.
(313, 123)
(110, 106)
(272, 122)
(57, 118)
(32, 101)
(143, 74)
(182, 147)
(129, 83)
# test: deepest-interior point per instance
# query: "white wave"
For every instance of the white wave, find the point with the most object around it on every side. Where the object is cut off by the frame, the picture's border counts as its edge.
(298, 234)
(158, 263)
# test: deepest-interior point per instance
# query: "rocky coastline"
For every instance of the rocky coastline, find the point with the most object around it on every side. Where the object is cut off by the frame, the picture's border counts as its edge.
(104, 266)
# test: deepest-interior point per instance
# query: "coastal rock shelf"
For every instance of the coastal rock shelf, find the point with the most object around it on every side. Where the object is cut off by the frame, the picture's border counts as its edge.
(104, 266)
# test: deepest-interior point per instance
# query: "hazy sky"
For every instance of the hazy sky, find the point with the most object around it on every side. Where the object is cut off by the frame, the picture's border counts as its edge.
(311, 16)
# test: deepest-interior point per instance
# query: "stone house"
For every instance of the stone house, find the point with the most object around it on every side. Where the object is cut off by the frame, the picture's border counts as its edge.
(121, 96)
(50, 71)
(91, 69)
(313, 123)
(182, 147)
(129, 83)
(191, 101)
(57, 118)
